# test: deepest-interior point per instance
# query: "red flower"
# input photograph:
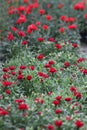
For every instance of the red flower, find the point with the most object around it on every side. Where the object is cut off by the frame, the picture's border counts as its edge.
(68, 99)
(45, 27)
(7, 91)
(3, 112)
(24, 42)
(73, 26)
(75, 45)
(79, 6)
(49, 17)
(40, 39)
(5, 69)
(20, 76)
(31, 67)
(19, 100)
(50, 127)
(21, 33)
(58, 46)
(40, 56)
(78, 95)
(56, 102)
(12, 67)
(68, 118)
(73, 89)
(6, 83)
(62, 30)
(23, 106)
(21, 19)
(84, 71)
(21, 8)
(42, 11)
(29, 77)
(13, 28)
(6, 76)
(58, 98)
(25, 1)
(58, 111)
(66, 64)
(58, 123)
(70, 19)
(10, 36)
(51, 62)
(85, 16)
(38, 23)
(63, 18)
(22, 67)
(81, 60)
(47, 65)
(79, 124)
(51, 39)
(31, 28)
(52, 70)
(60, 6)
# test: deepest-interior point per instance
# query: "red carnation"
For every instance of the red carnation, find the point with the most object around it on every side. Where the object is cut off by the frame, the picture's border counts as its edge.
(79, 124)
(40, 56)
(58, 46)
(58, 123)
(66, 64)
(52, 70)
(23, 106)
(50, 127)
(29, 77)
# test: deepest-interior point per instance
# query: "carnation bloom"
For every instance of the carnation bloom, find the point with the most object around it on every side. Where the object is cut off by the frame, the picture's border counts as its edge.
(29, 77)
(3, 112)
(66, 64)
(56, 102)
(75, 45)
(58, 46)
(73, 26)
(58, 123)
(63, 18)
(7, 91)
(58, 111)
(45, 27)
(23, 106)
(40, 39)
(19, 100)
(51, 62)
(68, 99)
(21, 19)
(48, 17)
(85, 16)
(60, 6)
(22, 67)
(81, 60)
(5, 69)
(79, 6)
(31, 67)
(6, 83)
(24, 42)
(10, 36)
(52, 70)
(73, 89)
(62, 30)
(21, 33)
(79, 124)
(42, 11)
(50, 127)
(12, 67)
(40, 56)
(21, 76)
